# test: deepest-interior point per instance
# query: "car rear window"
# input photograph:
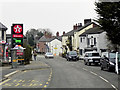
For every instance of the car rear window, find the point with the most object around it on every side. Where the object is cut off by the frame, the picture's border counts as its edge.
(95, 54)
(49, 53)
(73, 53)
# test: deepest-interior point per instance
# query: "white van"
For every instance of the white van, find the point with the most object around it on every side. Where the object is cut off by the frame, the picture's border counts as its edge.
(91, 57)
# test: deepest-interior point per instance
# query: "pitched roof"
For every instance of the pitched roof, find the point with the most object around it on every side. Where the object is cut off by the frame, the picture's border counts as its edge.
(71, 33)
(44, 39)
(95, 30)
(2, 27)
(87, 24)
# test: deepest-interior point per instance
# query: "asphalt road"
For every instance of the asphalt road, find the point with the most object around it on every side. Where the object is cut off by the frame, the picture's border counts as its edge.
(72, 74)
(63, 74)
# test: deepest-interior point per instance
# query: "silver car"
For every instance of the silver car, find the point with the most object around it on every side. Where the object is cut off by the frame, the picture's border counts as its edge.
(49, 55)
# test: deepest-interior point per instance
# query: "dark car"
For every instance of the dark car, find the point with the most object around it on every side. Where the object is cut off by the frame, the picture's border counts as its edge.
(108, 61)
(72, 56)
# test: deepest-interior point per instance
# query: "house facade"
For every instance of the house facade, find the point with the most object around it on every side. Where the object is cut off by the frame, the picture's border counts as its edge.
(87, 25)
(55, 45)
(3, 41)
(92, 39)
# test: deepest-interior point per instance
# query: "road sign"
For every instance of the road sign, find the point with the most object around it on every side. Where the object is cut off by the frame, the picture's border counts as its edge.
(55, 48)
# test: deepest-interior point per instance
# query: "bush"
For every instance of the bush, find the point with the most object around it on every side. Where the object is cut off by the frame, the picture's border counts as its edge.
(27, 53)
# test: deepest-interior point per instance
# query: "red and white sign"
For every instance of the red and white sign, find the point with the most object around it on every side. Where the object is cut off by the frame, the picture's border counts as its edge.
(19, 53)
(3, 42)
(17, 29)
(17, 36)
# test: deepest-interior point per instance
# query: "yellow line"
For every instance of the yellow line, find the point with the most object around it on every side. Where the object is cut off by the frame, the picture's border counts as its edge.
(5, 81)
(34, 84)
(45, 86)
(17, 85)
(25, 71)
(30, 84)
(14, 80)
(23, 81)
(7, 84)
(49, 79)
(20, 81)
(46, 82)
(24, 85)
(40, 84)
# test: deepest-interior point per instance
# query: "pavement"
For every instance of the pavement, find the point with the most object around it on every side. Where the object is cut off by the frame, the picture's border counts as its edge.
(7, 71)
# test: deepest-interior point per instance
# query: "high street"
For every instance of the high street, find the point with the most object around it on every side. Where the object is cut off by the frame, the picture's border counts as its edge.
(60, 73)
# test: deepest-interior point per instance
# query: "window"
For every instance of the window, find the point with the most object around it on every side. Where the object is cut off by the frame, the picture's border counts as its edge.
(88, 41)
(94, 41)
(81, 39)
(2, 35)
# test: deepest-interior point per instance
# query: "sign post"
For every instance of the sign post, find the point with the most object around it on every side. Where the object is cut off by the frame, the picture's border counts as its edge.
(16, 42)
(116, 66)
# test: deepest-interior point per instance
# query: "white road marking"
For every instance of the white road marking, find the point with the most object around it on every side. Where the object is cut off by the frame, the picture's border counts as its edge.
(93, 73)
(114, 87)
(85, 69)
(11, 73)
(104, 79)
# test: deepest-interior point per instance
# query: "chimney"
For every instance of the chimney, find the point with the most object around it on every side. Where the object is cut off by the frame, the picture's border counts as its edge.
(79, 25)
(63, 32)
(87, 21)
(57, 34)
(75, 27)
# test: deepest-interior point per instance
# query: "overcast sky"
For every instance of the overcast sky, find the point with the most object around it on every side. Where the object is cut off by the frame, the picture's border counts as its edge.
(57, 15)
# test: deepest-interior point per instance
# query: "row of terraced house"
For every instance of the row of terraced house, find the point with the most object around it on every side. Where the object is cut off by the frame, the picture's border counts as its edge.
(87, 37)
(82, 38)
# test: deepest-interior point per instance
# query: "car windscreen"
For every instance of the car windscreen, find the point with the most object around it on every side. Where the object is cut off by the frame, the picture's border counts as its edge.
(73, 53)
(112, 57)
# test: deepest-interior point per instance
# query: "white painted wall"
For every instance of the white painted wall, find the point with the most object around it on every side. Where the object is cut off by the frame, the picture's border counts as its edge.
(55, 46)
(101, 41)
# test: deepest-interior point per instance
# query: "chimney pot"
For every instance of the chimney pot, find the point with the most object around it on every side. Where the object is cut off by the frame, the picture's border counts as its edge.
(63, 32)
(87, 21)
(57, 34)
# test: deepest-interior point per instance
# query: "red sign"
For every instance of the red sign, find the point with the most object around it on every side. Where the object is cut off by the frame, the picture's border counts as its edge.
(17, 29)
(19, 53)
(17, 36)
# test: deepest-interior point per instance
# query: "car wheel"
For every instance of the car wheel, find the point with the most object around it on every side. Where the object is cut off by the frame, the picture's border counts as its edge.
(102, 67)
(89, 64)
(96, 64)
(85, 62)
(109, 69)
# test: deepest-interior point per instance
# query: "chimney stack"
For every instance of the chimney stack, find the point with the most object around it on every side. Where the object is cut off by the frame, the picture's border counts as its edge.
(63, 32)
(87, 21)
(57, 34)
(77, 26)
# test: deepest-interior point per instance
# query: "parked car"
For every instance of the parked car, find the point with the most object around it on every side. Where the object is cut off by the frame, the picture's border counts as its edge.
(72, 55)
(49, 55)
(108, 61)
(91, 57)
